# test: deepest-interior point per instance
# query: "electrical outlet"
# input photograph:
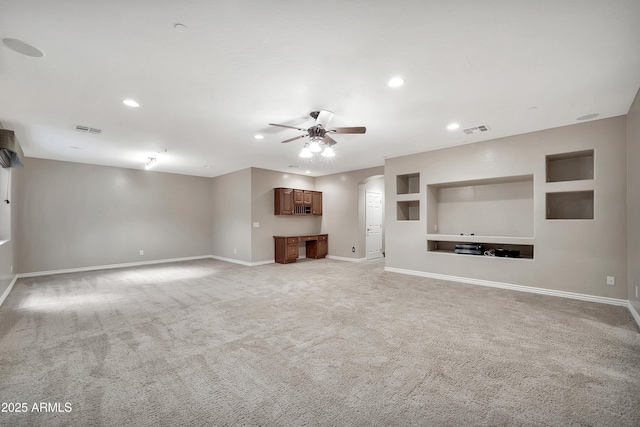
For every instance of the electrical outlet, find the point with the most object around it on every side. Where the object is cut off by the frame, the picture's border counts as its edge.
(611, 280)
(141, 252)
(636, 286)
(235, 251)
(353, 249)
(435, 227)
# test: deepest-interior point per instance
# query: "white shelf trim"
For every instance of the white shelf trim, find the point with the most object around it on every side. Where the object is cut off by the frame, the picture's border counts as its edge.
(507, 240)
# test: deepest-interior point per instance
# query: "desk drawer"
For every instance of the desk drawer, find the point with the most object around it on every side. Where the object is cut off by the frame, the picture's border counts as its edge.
(292, 240)
(323, 237)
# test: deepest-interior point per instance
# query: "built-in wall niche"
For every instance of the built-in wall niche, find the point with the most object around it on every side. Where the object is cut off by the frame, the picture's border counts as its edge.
(408, 183)
(573, 166)
(570, 205)
(489, 249)
(500, 206)
(408, 210)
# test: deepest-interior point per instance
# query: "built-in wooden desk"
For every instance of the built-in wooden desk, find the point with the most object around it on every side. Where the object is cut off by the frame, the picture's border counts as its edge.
(286, 247)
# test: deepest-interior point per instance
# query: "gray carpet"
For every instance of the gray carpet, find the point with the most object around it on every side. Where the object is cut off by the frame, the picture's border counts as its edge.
(319, 342)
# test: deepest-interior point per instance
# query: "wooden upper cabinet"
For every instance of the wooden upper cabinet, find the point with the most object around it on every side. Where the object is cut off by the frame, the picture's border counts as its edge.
(307, 197)
(316, 205)
(283, 201)
(291, 201)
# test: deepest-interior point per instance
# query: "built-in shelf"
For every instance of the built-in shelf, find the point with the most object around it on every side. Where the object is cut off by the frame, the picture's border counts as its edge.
(573, 166)
(507, 240)
(408, 184)
(570, 205)
(489, 246)
(408, 210)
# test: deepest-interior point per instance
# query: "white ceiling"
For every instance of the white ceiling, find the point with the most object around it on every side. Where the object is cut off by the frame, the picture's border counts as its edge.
(517, 66)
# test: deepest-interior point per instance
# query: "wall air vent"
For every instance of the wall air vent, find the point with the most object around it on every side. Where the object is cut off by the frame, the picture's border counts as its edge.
(476, 129)
(88, 129)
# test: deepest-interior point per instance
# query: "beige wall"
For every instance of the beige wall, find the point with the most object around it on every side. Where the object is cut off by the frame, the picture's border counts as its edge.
(633, 201)
(231, 216)
(262, 198)
(343, 210)
(570, 255)
(6, 261)
(6, 245)
(72, 215)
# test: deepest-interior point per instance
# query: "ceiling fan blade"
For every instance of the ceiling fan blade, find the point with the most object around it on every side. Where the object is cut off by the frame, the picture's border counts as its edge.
(286, 126)
(294, 138)
(324, 117)
(328, 140)
(357, 129)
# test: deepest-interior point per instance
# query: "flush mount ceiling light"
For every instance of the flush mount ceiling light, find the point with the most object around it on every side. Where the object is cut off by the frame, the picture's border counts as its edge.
(23, 48)
(453, 126)
(396, 82)
(130, 103)
(259, 136)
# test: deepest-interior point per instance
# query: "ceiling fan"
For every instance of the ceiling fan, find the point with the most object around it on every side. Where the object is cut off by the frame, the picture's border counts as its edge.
(319, 139)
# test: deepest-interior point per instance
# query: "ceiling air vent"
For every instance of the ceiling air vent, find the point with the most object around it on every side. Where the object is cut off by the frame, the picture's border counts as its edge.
(88, 129)
(476, 129)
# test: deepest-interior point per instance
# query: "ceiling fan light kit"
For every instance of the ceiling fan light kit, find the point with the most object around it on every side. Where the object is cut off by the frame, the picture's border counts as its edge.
(320, 141)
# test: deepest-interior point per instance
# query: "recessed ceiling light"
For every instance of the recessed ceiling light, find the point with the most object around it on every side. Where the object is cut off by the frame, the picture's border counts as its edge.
(396, 82)
(453, 126)
(307, 171)
(259, 137)
(588, 116)
(130, 103)
(23, 48)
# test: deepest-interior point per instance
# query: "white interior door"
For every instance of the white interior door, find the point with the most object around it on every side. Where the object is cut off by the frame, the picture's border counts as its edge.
(374, 224)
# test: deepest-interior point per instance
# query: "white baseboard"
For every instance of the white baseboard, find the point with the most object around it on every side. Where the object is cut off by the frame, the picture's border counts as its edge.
(245, 263)
(530, 289)
(109, 266)
(634, 313)
(344, 258)
(6, 292)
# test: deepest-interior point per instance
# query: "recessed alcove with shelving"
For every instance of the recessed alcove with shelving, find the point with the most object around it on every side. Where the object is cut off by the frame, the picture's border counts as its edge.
(496, 213)
(574, 166)
(490, 245)
(570, 185)
(408, 183)
(501, 206)
(570, 205)
(408, 210)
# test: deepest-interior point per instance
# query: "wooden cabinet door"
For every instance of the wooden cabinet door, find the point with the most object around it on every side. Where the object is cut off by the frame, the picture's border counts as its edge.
(323, 246)
(316, 205)
(307, 197)
(292, 252)
(292, 249)
(283, 201)
(298, 197)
